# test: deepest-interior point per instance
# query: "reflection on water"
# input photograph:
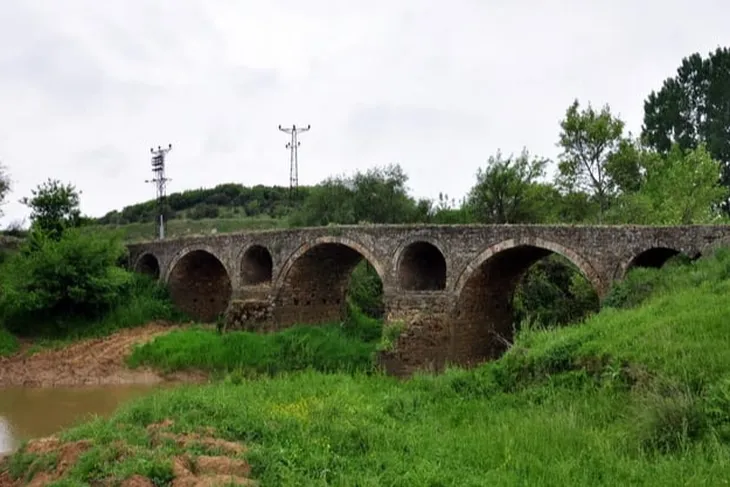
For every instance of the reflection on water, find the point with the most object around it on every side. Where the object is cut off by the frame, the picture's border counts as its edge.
(27, 413)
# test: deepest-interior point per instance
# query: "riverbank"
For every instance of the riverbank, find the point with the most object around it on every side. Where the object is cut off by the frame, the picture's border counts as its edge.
(97, 361)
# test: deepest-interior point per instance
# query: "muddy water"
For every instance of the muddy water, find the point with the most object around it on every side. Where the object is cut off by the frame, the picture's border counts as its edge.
(27, 413)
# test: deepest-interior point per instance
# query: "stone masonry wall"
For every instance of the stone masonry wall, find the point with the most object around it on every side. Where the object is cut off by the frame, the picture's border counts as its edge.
(460, 316)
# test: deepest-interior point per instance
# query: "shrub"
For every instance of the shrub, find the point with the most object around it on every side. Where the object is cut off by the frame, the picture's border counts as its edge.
(8, 343)
(365, 290)
(53, 285)
(553, 292)
(668, 421)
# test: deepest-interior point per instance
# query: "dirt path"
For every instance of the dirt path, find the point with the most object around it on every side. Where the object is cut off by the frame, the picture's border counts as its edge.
(97, 361)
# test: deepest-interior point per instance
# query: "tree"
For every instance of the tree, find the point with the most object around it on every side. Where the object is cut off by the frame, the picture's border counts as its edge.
(381, 196)
(4, 185)
(376, 196)
(54, 208)
(63, 283)
(680, 188)
(693, 108)
(502, 189)
(330, 202)
(589, 138)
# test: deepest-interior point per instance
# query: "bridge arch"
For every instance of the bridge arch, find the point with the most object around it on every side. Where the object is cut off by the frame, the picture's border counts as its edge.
(148, 264)
(199, 283)
(654, 256)
(420, 265)
(311, 286)
(256, 265)
(482, 318)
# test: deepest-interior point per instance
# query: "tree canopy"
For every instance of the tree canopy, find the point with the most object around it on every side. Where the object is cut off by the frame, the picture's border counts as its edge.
(693, 108)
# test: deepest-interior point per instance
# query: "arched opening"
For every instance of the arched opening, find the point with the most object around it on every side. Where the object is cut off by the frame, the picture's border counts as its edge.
(518, 283)
(148, 265)
(322, 281)
(199, 285)
(422, 267)
(256, 266)
(654, 257)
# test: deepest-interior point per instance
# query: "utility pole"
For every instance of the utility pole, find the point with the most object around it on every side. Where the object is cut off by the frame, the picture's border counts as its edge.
(293, 145)
(158, 169)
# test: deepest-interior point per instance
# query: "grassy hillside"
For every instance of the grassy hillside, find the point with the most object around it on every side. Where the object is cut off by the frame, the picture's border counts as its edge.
(633, 396)
(133, 232)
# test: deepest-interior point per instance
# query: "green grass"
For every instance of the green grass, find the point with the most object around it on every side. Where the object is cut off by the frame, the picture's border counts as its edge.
(346, 347)
(323, 348)
(8, 343)
(133, 232)
(633, 396)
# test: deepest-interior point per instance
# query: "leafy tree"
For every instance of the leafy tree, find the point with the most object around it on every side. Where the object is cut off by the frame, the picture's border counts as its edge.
(501, 194)
(589, 139)
(682, 187)
(4, 185)
(61, 281)
(378, 195)
(55, 207)
(330, 202)
(381, 196)
(626, 165)
(693, 108)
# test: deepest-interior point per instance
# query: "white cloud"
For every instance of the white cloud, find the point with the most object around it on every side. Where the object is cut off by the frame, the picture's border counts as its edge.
(86, 87)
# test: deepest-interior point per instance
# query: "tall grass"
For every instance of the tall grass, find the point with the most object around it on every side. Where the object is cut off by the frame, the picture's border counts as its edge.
(345, 347)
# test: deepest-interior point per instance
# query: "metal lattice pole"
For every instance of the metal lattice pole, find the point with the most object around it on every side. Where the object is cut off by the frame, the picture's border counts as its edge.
(160, 180)
(293, 147)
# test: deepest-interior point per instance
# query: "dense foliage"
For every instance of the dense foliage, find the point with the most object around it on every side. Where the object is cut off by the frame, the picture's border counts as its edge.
(693, 108)
(63, 280)
(222, 200)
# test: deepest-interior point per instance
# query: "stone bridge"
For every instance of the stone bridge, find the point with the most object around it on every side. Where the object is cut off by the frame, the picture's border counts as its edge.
(454, 283)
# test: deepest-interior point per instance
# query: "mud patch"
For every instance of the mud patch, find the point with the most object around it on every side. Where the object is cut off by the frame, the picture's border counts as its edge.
(99, 361)
(204, 470)
(64, 457)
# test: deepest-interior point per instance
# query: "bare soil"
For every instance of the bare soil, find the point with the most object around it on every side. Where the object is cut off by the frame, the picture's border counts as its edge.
(98, 361)
(223, 465)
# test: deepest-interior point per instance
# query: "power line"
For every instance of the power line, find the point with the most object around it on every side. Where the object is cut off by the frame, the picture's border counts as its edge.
(293, 146)
(158, 169)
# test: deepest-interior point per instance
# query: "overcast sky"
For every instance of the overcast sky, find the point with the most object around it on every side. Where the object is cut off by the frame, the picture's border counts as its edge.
(88, 86)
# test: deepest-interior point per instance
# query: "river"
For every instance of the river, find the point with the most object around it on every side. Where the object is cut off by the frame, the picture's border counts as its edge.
(27, 413)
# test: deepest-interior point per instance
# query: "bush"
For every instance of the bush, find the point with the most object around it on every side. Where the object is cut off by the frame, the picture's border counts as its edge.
(365, 290)
(668, 421)
(53, 287)
(553, 293)
(8, 343)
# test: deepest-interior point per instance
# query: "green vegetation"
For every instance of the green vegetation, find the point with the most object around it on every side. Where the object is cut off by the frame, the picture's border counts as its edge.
(638, 394)
(140, 231)
(345, 347)
(8, 343)
(63, 283)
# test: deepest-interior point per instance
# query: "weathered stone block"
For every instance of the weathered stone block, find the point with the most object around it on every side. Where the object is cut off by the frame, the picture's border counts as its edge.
(247, 314)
